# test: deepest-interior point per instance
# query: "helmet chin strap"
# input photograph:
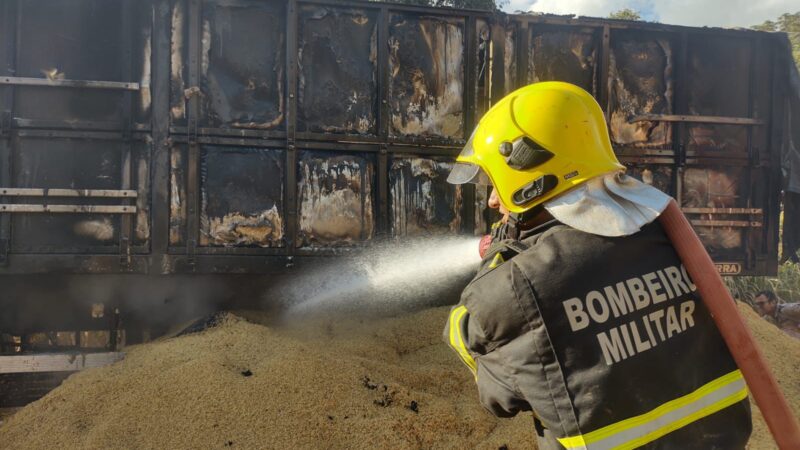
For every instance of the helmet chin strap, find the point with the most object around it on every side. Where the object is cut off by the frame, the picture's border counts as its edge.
(516, 221)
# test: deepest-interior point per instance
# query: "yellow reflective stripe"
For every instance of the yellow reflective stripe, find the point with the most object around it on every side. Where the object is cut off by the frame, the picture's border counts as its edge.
(498, 259)
(456, 340)
(622, 435)
(707, 411)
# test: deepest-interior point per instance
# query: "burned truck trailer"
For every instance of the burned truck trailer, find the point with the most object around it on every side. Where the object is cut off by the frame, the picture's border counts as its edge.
(152, 140)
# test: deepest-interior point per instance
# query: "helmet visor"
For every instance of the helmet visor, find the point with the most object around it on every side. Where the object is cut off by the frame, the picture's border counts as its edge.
(463, 173)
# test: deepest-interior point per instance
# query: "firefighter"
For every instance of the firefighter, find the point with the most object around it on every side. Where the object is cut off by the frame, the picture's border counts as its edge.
(582, 311)
(785, 316)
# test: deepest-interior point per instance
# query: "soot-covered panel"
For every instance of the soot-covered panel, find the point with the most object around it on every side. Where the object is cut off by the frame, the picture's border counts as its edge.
(719, 85)
(426, 66)
(718, 187)
(241, 192)
(510, 59)
(641, 83)
(482, 69)
(656, 175)
(422, 201)
(338, 70)
(140, 168)
(78, 40)
(66, 164)
(242, 64)
(562, 55)
(178, 63)
(177, 195)
(335, 199)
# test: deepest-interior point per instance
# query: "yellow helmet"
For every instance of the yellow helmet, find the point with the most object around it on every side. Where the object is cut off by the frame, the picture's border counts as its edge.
(537, 142)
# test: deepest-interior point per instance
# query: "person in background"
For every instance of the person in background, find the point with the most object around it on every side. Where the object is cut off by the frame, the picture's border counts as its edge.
(785, 316)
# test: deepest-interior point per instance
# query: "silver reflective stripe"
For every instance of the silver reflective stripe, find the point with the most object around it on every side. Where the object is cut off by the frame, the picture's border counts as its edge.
(669, 417)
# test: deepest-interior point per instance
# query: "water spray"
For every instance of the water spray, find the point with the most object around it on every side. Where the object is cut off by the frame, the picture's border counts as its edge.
(386, 277)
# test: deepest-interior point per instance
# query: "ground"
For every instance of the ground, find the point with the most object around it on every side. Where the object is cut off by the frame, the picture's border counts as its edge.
(335, 383)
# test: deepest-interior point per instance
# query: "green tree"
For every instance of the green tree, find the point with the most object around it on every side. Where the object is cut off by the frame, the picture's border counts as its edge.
(789, 24)
(625, 14)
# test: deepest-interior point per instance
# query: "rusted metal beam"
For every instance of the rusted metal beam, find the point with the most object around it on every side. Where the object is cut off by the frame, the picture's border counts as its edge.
(695, 119)
(81, 209)
(652, 27)
(681, 105)
(227, 132)
(43, 192)
(523, 45)
(603, 96)
(776, 137)
(726, 223)
(77, 134)
(497, 70)
(82, 84)
(9, 11)
(160, 117)
(723, 211)
(60, 362)
(193, 186)
(470, 117)
(470, 82)
(439, 11)
(76, 125)
(126, 221)
(290, 178)
(382, 167)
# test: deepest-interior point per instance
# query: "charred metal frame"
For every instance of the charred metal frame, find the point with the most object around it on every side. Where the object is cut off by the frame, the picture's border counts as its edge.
(9, 36)
(160, 134)
(290, 180)
(83, 84)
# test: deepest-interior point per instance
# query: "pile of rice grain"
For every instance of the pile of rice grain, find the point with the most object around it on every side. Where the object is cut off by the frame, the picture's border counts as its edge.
(328, 384)
(782, 352)
(387, 383)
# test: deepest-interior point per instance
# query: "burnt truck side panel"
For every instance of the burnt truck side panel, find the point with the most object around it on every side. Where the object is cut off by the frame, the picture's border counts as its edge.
(245, 136)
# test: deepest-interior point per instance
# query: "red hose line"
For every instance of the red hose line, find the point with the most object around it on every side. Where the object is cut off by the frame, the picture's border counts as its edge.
(748, 357)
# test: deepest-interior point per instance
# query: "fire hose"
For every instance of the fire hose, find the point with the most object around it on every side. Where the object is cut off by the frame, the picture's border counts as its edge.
(762, 384)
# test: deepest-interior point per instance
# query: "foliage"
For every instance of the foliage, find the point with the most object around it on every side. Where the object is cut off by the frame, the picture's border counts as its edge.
(625, 14)
(789, 24)
(489, 5)
(786, 285)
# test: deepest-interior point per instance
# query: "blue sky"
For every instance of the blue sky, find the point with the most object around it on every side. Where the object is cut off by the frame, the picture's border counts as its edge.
(715, 13)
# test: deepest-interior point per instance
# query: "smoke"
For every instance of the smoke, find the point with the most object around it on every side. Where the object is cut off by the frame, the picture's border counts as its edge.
(383, 279)
(158, 301)
(36, 303)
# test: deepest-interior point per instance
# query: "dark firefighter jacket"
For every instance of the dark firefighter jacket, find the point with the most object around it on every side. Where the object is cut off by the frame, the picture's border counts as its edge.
(604, 339)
